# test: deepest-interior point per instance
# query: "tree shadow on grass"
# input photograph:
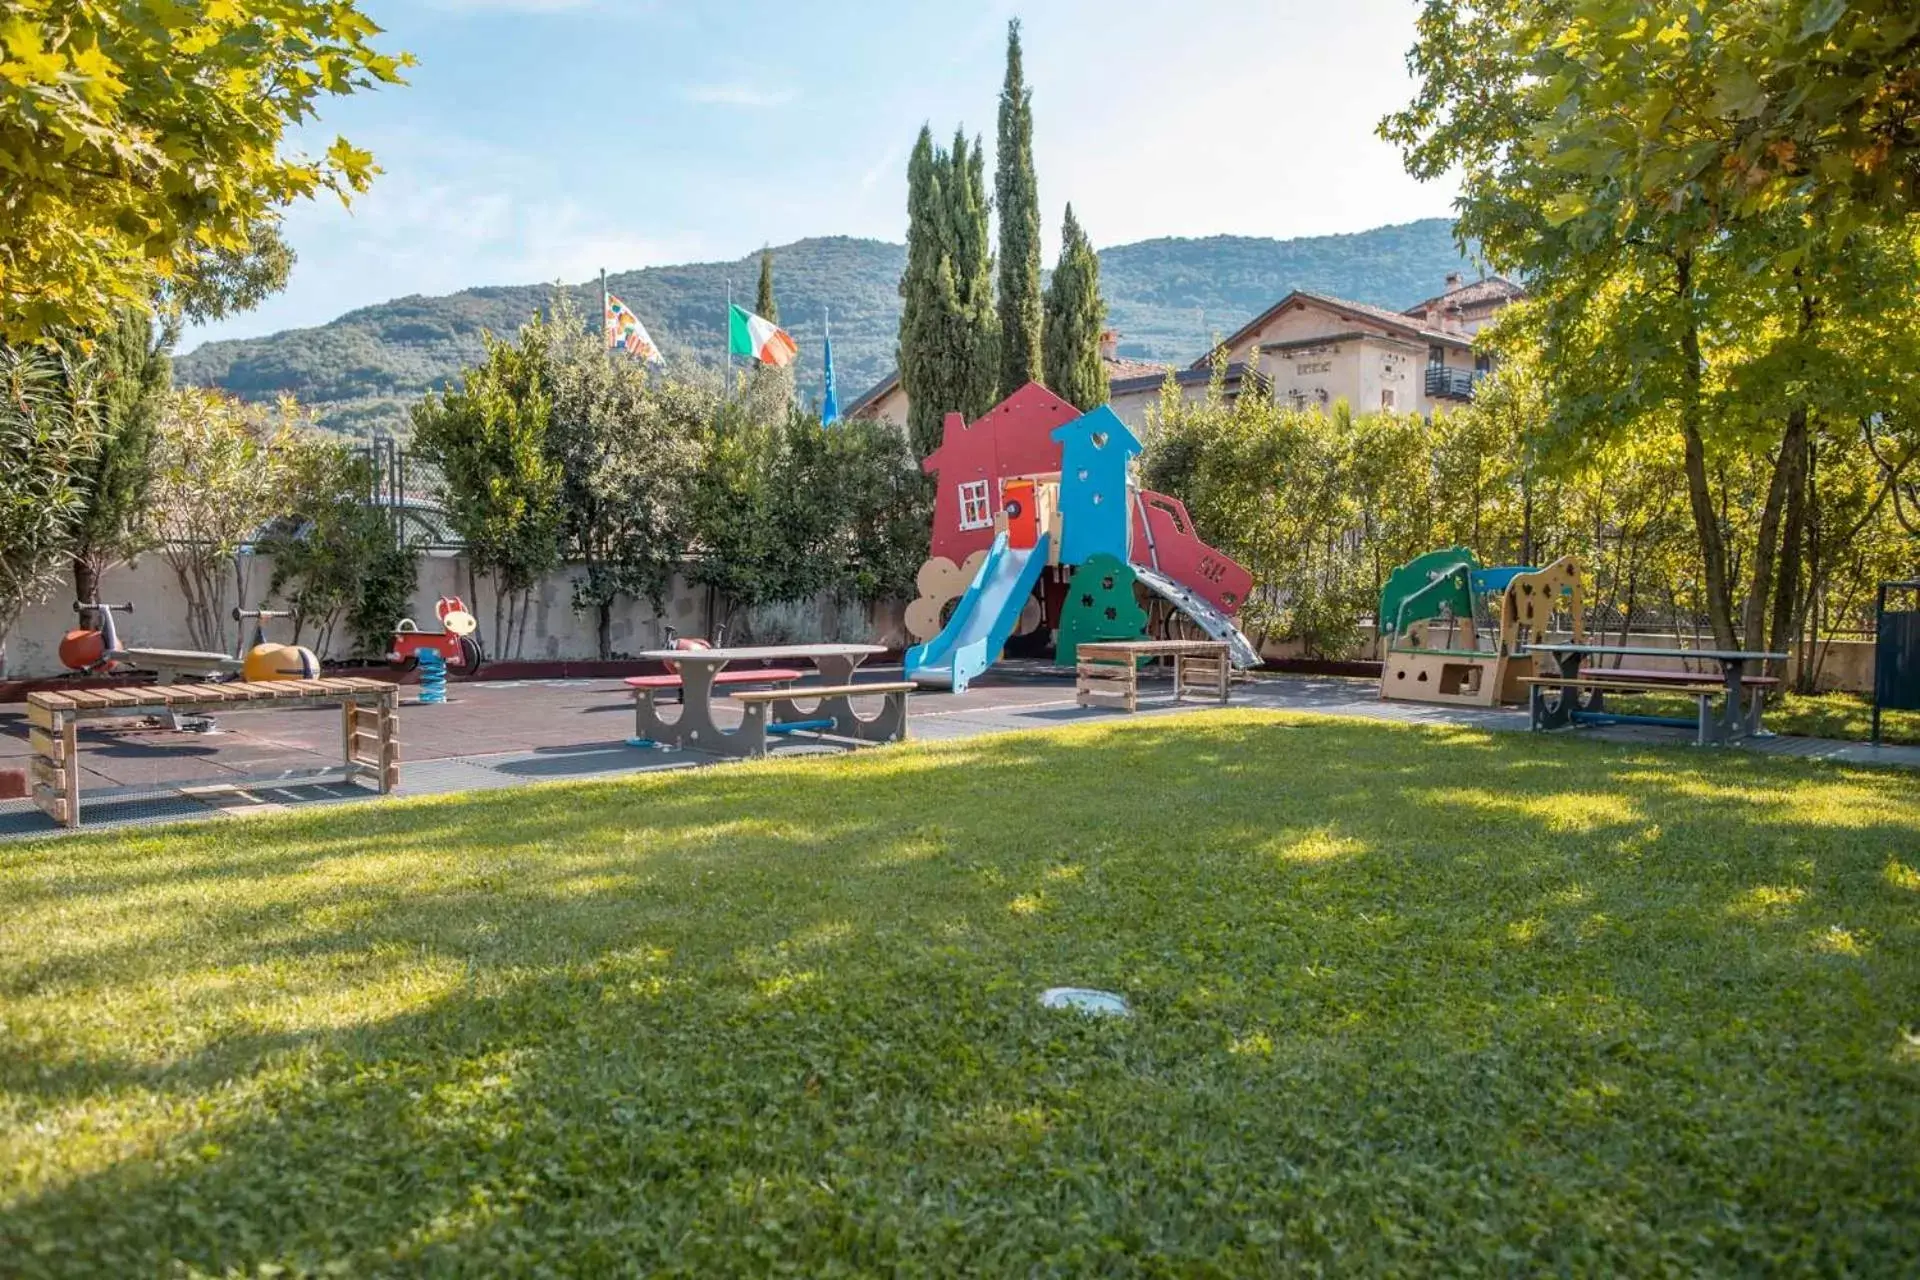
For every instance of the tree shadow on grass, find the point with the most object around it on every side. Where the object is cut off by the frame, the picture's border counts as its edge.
(1437, 993)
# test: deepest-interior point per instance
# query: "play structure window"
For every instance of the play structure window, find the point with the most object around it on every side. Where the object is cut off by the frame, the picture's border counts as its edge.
(975, 510)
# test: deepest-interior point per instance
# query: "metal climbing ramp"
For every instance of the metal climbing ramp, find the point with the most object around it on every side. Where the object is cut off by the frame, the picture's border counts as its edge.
(1209, 619)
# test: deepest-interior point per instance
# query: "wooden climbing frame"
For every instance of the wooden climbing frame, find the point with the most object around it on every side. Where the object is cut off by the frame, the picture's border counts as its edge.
(368, 725)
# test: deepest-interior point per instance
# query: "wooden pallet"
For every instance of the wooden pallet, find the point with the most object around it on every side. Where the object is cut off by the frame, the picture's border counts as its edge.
(1108, 673)
(368, 741)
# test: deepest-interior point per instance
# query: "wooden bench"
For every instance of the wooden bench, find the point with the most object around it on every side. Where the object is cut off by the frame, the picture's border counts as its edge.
(895, 693)
(767, 675)
(1108, 673)
(368, 723)
(1703, 690)
(1653, 676)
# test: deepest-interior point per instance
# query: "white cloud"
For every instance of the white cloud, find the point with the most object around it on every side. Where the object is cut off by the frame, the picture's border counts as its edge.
(738, 95)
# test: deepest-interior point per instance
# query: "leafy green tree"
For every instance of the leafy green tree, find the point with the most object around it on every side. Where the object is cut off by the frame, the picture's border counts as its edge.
(731, 513)
(132, 372)
(886, 513)
(47, 441)
(137, 138)
(1076, 317)
(627, 444)
(489, 437)
(335, 554)
(1663, 302)
(218, 479)
(1017, 200)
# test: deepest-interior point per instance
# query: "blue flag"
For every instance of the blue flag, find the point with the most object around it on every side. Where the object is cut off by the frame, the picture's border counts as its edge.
(830, 402)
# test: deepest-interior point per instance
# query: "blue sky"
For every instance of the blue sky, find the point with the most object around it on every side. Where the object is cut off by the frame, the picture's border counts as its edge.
(544, 139)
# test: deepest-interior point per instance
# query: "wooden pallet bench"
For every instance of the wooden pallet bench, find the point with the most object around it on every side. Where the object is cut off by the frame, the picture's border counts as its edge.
(368, 725)
(1107, 674)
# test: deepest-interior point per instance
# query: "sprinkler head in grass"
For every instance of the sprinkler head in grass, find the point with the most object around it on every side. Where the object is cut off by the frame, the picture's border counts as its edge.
(1098, 1004)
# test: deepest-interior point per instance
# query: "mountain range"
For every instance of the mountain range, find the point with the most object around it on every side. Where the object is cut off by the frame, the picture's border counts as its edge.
(1167, 298)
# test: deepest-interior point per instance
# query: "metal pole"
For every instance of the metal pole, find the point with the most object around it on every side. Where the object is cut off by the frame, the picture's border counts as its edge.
(726, 338)
(606, 334)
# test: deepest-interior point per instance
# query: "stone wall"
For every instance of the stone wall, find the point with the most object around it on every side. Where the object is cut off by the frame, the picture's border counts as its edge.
(554, 631)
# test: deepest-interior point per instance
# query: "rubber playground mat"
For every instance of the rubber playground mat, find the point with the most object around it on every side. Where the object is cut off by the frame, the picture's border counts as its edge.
(512, 733)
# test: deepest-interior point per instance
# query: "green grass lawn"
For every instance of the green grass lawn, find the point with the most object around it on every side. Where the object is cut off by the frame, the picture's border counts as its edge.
(1408, 1000)
(1847, 716)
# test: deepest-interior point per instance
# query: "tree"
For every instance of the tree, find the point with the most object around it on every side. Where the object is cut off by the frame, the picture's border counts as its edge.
(47, 441)
(336, 556)
(627, 444)
(732, 509)
(501, 488)
(133, 373)
(218, 479)
(948, 325)
(1017, 199)
(1665, 301)
(137, 138)
(1076, 317)
(763, 301)
(1797, 103)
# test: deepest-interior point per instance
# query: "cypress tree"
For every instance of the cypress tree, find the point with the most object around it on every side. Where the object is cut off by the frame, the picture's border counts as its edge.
(1017, 197)
(1076, 315)
(920, 298)
(947, 349)
(763, 303)
(977, 377)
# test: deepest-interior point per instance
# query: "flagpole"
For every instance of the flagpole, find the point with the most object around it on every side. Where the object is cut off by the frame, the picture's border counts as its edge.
(606, 335)
(726, 337)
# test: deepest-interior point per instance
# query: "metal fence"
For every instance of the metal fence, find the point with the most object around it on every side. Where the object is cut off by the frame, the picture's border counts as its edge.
(411, 490)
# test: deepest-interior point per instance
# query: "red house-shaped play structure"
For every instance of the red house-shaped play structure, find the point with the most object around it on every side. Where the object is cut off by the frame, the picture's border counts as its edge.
(973, 460)
(976, 469)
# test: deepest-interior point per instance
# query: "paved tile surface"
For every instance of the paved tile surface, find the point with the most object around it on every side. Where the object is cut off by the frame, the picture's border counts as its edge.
(505, 734)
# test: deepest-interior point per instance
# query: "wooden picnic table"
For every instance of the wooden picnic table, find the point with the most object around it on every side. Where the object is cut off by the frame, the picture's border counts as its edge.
(1736, 720)
(694, 727)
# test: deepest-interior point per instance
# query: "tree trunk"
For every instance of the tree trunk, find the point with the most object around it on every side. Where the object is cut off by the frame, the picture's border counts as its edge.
(1783, 490)
(86, 580)
(1793, 542)
(604, 629)
(1706, 521)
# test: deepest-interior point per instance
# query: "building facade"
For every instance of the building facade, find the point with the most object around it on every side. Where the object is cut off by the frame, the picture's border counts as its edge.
(1312, 350)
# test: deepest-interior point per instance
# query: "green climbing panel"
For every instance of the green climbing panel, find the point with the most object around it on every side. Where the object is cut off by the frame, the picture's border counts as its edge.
(1100, 605)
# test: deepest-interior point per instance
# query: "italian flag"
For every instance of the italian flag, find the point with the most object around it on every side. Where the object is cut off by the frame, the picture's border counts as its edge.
(759, 337)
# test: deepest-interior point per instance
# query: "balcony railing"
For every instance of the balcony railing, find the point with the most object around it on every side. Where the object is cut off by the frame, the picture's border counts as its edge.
(1450, 384)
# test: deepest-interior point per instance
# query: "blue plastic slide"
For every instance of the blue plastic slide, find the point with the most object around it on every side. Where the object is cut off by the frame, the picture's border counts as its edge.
(978, 630)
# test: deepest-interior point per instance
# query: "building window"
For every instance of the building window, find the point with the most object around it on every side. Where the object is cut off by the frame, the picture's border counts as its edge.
(1436, 354)
(1483, 363)
(976, 512)
(1386, 398)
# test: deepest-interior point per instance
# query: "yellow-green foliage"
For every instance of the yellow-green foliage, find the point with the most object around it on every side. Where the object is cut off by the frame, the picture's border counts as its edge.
(140, 140)
(1408, 1001)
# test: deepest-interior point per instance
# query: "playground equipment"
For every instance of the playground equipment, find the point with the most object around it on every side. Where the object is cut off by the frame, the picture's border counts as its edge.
(99, 650)
(457, 642)
(1448, 590)
(262, 660)
(1038, 527)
